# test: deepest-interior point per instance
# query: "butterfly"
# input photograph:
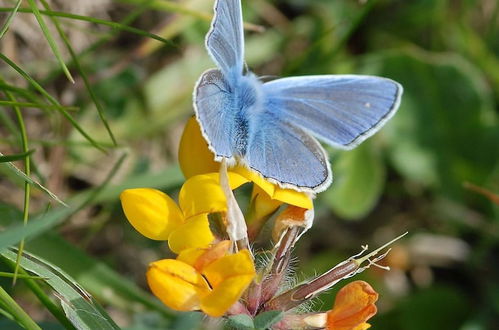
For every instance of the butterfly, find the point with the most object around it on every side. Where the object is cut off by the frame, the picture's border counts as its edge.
(272, 127)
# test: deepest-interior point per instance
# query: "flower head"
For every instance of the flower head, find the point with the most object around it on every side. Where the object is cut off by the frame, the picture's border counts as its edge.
(214, 270)
(205, 275)
(209, 279)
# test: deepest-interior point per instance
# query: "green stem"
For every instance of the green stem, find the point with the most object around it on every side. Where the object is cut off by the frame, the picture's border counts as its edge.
(17, 312)
(4, 274)
(10, 18)
(50, 39)
(27, 186)
(91, 20)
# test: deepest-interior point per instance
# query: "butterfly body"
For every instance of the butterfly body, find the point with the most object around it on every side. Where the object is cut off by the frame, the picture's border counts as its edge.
(269, 127)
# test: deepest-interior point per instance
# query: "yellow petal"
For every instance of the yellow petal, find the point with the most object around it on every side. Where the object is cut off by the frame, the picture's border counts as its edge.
(353, 306)
(176, 284)
(212, 254)
(202, 256)
(288, 196)
(229, 277)
(218, 301)
(256, 178)
(203, 194)
(190, 256)
(262, 204)
(151, 212)
(293, 197)
(193, 154)
(194, 233)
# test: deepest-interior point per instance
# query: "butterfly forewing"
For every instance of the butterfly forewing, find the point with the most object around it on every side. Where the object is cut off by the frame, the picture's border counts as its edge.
(341, 110)
(212, 103)
(225, 41)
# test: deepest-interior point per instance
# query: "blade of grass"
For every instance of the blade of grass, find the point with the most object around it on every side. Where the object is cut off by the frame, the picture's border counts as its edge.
(125, 21)
(35, 105)
(12, 158)
(80, 308)
(15, 170)
(106, 38)
(94, 21)
(14, 234)
(12, 14)
(174, 7)
(33, 285)
(50, 39)
(52, 100)
(21, 92)
(82, 73)
(51, 143)
(17, 312)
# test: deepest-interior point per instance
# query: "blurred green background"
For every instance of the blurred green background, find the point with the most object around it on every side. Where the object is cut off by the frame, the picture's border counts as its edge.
(432, 171)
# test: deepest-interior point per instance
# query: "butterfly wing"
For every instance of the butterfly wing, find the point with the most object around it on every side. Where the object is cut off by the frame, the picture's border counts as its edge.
(285, 154)
(341, 110)
(212, 99)
(225, 41)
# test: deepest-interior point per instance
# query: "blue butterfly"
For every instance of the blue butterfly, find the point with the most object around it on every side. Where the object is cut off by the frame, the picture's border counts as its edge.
(269, 127)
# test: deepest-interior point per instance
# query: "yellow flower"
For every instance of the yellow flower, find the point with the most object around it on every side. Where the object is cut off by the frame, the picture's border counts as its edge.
(209, 279)
(195, 158)
(353, 306)
(156, 216)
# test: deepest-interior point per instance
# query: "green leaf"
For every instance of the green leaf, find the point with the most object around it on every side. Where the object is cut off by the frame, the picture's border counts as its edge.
(240, 322)
(14, 234)
(266, 320)
(446, 130)
(81, 309)
(358, 180)
(12, 158)
(418, 311)
(102, 281)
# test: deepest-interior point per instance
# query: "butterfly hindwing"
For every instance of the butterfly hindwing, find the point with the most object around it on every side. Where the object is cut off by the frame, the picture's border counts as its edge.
(341, 110)
(286, 154)
(225, 41)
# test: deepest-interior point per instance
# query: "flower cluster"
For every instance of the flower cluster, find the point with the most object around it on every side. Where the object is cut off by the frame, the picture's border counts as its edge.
(215, 269)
